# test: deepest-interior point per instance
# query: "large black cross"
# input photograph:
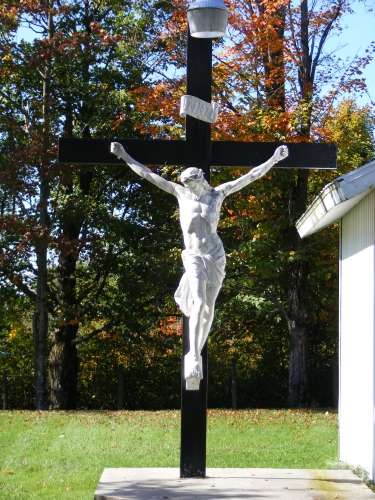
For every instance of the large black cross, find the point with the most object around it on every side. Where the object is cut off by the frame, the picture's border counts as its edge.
(197, 151)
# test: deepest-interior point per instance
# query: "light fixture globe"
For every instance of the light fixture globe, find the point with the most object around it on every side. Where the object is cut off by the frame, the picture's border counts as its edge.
(207, 18)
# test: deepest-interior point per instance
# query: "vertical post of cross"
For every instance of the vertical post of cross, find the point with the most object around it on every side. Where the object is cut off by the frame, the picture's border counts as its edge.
(207, 19)
(198, 146)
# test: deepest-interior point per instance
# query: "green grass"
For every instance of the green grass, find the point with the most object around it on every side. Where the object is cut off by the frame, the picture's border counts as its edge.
(61, 455)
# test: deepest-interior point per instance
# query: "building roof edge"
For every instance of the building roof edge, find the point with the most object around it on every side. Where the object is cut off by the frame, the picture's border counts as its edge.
(336, 199)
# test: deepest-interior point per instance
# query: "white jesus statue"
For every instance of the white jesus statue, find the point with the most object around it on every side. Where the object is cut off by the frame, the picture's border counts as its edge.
(204, 255)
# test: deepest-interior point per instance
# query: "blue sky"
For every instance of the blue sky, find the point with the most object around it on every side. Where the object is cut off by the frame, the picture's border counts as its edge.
(358, 35)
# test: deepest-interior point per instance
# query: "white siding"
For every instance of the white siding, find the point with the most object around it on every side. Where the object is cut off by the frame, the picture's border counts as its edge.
(357, 284)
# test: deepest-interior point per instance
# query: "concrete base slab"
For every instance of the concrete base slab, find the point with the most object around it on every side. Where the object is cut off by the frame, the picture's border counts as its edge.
(233, 484)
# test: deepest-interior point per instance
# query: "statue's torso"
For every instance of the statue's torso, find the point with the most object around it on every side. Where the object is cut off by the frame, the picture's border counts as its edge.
(199, 220)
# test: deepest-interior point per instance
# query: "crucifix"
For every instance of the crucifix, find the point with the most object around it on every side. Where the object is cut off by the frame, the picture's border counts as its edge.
(197, 153)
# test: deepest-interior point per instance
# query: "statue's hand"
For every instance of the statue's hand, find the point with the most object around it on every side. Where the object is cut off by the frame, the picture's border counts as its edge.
(281, 153)
(118, 150)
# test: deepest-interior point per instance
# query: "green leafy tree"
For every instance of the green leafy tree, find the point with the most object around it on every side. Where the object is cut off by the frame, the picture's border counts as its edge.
(16, 347)
(74, 235)
(260, 260)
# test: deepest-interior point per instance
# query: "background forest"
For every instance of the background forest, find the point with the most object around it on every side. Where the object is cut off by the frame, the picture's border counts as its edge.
(90, 255)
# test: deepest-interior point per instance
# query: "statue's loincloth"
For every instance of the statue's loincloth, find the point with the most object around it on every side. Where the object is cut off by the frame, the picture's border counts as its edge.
(209, 268)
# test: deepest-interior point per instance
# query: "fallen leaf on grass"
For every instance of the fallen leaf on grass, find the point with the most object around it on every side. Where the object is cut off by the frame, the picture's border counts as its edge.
(7, 471)
(69, 488)
(113, 445)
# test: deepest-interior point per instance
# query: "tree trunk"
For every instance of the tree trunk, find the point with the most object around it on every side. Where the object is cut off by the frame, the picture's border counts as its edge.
(299, 371)
(234, 384)
(298, 295)
(298, 304)
(40, 319)
(64, 369)
(63, 355)
(64, 362)
(40, 330)
(298, 314)
(5, 390)
(273, 57)
(298, 396)
(297, 290)
(121, 387)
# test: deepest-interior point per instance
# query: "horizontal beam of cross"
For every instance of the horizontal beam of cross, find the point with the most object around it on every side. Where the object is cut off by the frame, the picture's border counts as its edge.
(223, 153)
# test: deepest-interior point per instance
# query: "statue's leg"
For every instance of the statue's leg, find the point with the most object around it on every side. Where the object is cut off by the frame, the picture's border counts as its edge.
(212, 292)
(193, 360)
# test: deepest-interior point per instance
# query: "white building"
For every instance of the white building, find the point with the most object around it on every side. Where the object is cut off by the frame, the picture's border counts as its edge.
(351, 199)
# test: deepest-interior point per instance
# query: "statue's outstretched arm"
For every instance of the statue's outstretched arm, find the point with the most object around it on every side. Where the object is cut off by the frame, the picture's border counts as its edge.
(233, 186)
(143, 171)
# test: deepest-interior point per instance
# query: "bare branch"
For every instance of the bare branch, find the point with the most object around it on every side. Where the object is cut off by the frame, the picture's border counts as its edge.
(17, 106)
(85, 338)
(26, 290)
(271, 297)
(323, 39)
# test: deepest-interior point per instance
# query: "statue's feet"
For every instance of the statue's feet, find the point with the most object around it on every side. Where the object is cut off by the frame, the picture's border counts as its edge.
(193, 366)
(193, 371)
(192, 384)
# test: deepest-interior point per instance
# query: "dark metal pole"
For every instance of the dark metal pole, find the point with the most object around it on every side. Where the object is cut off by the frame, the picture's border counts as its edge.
(194, 403)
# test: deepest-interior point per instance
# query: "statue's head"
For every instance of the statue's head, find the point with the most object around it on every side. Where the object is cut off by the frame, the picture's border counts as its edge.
(193, 174)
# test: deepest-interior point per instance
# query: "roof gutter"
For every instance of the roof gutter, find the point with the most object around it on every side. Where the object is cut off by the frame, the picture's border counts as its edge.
(336, 199)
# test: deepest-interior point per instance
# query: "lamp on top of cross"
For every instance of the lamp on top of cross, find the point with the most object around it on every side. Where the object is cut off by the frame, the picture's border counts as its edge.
(207, 19)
